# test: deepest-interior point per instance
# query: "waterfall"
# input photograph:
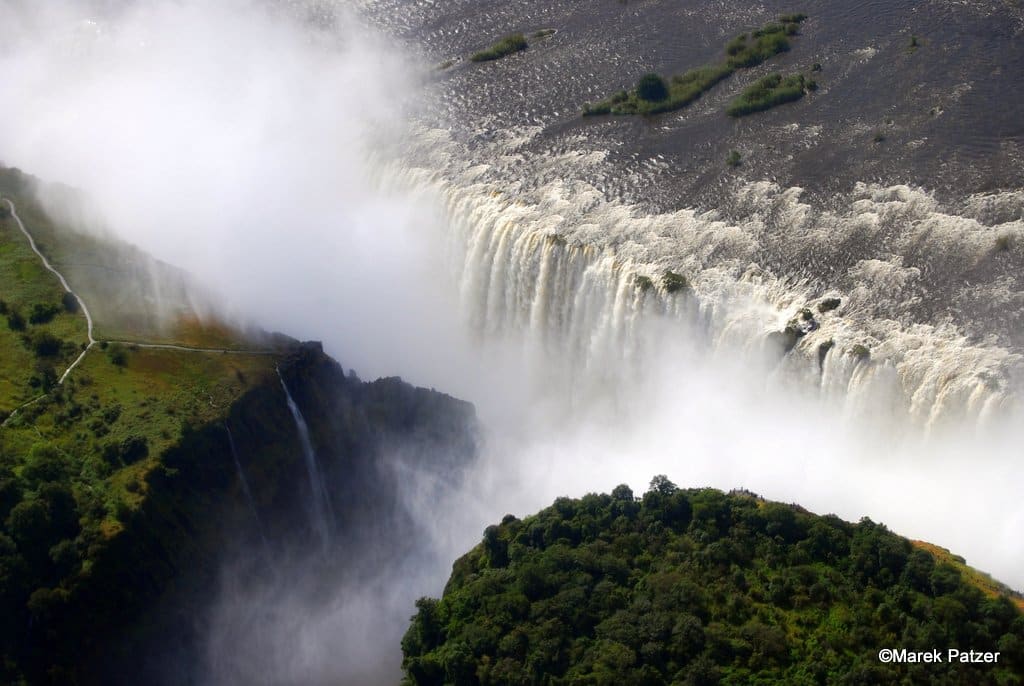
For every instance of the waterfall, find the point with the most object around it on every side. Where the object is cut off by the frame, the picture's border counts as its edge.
(554, 261)
(319, 502)
(245, 488)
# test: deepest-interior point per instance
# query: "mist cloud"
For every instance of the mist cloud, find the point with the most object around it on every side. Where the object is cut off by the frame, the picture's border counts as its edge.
(235, 139)
(232, 139)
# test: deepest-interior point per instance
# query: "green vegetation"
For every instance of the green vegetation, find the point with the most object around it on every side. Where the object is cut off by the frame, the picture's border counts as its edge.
(701, 587)
(743, 52)
(644, 283)
(829, 304)
(36, 334)
(768, 92)
(861, 352)
(76, 459)
(673, 283)
(513, 43)
(734, 159)
(544, 33)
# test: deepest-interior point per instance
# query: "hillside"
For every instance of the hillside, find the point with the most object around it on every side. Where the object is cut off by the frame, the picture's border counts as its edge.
(124, 485)
(702, 587)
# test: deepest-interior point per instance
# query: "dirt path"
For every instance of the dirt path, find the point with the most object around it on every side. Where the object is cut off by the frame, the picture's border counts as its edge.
(89, 322)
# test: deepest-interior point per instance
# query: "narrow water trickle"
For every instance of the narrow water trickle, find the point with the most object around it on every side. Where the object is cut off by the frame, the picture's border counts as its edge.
(245, 488)
(320, 503)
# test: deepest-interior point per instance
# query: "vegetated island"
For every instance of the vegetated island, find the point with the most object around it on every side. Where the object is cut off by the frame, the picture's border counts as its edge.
(769, 92)
(508, 45)
(654, 95)
(702, 587)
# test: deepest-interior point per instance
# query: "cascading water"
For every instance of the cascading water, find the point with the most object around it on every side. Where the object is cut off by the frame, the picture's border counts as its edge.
(581, 275)
(244, 482)
(319, 503)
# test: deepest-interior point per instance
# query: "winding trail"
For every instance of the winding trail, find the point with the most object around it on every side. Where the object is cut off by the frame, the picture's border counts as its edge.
(64, 283)
(89, 322)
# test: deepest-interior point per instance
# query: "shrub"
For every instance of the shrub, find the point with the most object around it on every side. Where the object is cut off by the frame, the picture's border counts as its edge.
(861, 352)
(117, 355)
(829, 304)
(515, 42)
(642, 282)
(766, 93)
(763, 47)
(1004, 242)
(42, 313)
(673, 282)
(44, 344)
(651, 88)
(734, 159)
(15, 320)
(70, 302)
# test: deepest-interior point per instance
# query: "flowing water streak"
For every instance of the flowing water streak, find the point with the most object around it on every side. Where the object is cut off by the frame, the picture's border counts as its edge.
(320, 502)
(245, 488)
(568, 270)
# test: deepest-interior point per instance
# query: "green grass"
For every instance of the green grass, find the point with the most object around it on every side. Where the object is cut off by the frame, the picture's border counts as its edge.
(25, 285)
(508, 45)
(771, 91)
(130, 295)
(742, 52)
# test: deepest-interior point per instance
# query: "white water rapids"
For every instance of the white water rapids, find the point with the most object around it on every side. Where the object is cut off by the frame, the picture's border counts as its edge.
(553, 260)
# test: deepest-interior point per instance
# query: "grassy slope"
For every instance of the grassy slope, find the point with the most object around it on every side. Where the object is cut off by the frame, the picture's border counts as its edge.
(130, 295)
(73, 439)
(25, 282)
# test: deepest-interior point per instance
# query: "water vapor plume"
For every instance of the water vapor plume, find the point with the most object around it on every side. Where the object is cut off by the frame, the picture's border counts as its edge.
(232, 139)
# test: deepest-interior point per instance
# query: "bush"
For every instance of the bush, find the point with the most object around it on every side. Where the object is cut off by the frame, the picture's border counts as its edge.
(763, 47)
(829, 304)
(766, 93)
(673, 282)
(741, 52)
(117, 355)
(651, 88)
(70, 302)
(42, 313)
(44, 344)
(734, 159)
(15, 320)
(504, 47)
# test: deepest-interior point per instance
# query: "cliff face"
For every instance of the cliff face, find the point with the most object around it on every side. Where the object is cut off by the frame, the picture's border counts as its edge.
(144, 601)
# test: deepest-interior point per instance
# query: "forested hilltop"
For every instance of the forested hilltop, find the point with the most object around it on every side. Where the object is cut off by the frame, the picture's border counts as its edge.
(702, 587)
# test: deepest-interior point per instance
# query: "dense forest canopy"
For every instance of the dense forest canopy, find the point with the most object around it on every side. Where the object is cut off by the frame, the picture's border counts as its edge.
(702, 587)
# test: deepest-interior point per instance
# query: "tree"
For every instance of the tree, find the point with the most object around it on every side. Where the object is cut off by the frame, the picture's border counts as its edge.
(652, 88)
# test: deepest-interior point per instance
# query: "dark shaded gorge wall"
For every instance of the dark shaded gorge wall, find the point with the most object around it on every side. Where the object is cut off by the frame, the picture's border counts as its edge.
(142, 613)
